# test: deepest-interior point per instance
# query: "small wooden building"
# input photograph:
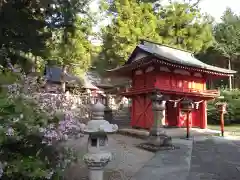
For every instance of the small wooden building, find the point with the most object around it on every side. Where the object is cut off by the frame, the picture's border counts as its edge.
(175, 73)
(53, 81)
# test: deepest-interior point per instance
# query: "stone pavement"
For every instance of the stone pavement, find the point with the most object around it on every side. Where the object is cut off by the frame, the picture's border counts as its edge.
(168, 165)
(204, 158)
(215, 159)
(173, 132)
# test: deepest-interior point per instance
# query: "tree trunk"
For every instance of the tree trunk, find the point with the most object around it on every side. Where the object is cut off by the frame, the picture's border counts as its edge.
(63, 82)
(230, 77)
(34, 66)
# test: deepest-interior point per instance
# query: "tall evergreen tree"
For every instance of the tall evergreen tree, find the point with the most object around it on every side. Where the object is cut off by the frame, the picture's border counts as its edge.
(70, 46)
(183, 26)
(22, 26)
(75, 53)
(179, 24)
(227, 36)
(130, 22)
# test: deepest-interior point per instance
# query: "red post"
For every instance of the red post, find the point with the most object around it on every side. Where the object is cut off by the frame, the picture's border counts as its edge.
(188, 128)
(222, 110)
(187, 106)
(222, 123)
(204, 115)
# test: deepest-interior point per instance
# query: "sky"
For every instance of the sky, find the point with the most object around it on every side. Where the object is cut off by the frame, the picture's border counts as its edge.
(214, 7)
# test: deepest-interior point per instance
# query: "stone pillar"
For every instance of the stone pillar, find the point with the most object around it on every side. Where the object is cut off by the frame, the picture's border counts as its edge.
(98, 155)
(158, 109)
(157, 136)
(108, 115)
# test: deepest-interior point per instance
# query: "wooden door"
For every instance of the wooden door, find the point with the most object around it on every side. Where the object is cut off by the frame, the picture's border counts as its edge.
(196, 117)
(171, 114)
(148, 113)
(142, 116)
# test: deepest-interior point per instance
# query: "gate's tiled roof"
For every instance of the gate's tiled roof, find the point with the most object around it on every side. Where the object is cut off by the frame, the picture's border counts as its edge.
(179, 57)
(172, 56)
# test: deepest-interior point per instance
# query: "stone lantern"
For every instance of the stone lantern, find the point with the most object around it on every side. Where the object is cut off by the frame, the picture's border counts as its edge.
(98, 155)
(222, 108)
(187, 106)
(157, 136)
(108, 114)
(158, 107)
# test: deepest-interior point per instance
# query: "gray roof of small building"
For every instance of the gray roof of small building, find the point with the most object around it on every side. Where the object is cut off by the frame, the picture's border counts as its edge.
(180, 57)
(53, 74)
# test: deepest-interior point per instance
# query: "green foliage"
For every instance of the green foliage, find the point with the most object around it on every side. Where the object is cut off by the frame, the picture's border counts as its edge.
(232, 98)
(29, 26)
(76, 53)
(183, 26)
(132, 22)
(179, 24)
(227, 35)
(22, 25)
(24, 155)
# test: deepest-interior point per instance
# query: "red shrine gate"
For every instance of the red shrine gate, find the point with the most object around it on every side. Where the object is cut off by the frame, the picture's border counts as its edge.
(175, 73)
(142, 115)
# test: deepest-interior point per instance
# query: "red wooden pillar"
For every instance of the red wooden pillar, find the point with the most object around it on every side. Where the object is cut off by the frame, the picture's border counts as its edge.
(204, 115)
(222, 122)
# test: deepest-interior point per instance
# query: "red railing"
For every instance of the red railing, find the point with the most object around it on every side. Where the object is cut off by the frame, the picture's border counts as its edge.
(176, 89)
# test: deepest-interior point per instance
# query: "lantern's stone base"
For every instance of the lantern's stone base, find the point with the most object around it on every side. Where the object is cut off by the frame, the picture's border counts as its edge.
(152, 148)
(160, 140)
(96, 163)
(97, 160)
(157, 143)
(185, 138)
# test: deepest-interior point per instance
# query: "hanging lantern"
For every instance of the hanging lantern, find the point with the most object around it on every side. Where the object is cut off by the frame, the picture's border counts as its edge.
(186, 105)
(221, 107)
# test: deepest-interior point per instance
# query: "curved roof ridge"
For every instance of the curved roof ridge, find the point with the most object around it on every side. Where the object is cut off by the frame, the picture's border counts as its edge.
(179, 57)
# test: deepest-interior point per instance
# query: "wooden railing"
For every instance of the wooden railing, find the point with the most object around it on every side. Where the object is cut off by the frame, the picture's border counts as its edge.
(176, 89)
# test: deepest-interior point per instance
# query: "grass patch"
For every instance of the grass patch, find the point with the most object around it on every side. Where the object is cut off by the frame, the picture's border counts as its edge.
(233, 129)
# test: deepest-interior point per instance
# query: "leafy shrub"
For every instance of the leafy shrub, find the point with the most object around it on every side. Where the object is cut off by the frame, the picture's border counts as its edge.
(31, 137)
(232, 98)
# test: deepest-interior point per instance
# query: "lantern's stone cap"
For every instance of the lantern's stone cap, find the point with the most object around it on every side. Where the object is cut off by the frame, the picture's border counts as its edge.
(221, 104)
(98, 107)
(100, 126)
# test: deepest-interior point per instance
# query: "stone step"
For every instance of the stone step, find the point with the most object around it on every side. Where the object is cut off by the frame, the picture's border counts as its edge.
(121, 122)
(121, 117)
(122, 113)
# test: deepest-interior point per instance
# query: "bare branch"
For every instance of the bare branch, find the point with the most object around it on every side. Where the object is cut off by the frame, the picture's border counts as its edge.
(196, 3)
